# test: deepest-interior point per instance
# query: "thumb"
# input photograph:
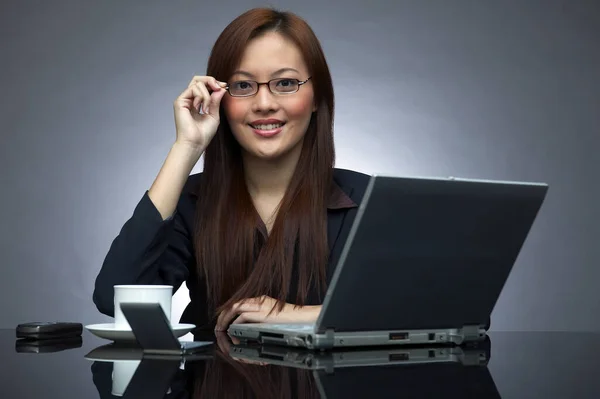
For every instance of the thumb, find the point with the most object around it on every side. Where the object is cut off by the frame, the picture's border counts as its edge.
(215, 102)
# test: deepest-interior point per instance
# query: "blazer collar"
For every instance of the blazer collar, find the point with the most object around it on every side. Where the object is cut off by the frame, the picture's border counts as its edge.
(339, 198)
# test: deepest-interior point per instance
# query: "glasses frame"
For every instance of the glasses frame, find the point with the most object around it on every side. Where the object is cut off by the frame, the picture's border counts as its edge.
(258, 84)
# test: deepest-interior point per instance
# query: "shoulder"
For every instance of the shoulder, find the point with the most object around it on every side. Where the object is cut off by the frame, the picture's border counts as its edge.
(350, 178)
(353, 183)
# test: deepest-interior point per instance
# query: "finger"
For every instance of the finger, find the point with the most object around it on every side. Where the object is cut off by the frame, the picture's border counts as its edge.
(219, 324)
(218, 91)
(234, 340)
(199, 78)
(224, 320)
(238, 309)
(240, 320)
(202, 82)
(227, 316)
(251, 317)
(202, 96)
(214, 84)
(215, 102)
(213, 91)
(207, 80)
(185, 99)
(223, 342)
(192, 97)
(194, 80)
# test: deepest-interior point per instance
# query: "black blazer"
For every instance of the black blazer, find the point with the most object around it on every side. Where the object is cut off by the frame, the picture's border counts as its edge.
(150, 250)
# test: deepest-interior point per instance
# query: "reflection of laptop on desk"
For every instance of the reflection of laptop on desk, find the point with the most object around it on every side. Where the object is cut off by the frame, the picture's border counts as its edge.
(425, 262)
(153, 331)
(361, 356)
(451, 379)
(407, 371)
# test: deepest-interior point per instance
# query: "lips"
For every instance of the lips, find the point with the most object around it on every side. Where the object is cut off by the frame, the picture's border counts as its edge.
(267, 129)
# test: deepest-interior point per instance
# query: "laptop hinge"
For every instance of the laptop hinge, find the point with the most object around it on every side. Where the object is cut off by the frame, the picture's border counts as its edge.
(471, 332)
(327, 339)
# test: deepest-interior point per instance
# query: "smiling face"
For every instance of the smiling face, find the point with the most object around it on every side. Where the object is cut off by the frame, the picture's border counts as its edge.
(267, 125)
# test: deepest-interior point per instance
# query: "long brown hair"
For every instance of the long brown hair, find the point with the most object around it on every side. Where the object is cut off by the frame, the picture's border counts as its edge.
(226, 235)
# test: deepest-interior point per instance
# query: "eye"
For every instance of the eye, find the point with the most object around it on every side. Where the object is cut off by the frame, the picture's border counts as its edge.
(286, 82)
(285, 85)
(242, 85)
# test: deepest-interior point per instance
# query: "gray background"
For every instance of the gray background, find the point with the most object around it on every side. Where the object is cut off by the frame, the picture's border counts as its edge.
(483, 89)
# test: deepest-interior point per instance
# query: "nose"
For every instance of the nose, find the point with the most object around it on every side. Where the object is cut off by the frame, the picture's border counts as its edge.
(264, 100)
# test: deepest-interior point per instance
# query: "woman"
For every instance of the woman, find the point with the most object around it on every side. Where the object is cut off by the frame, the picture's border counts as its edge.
(257, 235)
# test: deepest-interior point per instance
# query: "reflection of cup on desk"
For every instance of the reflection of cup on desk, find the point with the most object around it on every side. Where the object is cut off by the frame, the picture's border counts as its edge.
(160, 294)
(123, 371)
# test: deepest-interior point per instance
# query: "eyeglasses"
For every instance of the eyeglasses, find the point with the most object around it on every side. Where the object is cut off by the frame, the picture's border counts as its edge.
(280, 86)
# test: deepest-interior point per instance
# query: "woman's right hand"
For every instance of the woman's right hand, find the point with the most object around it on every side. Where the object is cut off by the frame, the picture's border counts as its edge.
(194, 128)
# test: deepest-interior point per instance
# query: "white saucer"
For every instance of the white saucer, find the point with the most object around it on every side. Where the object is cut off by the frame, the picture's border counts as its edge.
(109, 331)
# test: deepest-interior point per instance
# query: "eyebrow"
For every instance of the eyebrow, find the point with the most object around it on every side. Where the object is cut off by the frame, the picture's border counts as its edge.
(277, 72)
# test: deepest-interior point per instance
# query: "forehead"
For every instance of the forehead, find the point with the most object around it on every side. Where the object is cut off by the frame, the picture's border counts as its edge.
(271, 52)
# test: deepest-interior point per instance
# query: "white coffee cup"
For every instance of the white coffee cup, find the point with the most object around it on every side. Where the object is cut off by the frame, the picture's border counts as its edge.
(160, 294)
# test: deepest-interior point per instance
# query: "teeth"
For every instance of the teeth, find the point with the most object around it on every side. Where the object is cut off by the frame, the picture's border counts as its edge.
(267, 127)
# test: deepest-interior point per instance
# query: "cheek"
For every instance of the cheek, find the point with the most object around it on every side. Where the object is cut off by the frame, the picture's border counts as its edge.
(235, 111)
(300, 108)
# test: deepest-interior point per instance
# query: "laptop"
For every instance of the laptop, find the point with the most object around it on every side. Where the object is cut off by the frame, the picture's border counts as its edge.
(154, 334)
(425, 262)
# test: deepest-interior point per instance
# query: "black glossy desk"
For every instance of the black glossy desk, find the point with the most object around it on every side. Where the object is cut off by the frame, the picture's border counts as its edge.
(520, 365)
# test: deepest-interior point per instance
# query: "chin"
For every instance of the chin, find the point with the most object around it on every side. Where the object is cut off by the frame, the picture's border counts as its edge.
(268, 154)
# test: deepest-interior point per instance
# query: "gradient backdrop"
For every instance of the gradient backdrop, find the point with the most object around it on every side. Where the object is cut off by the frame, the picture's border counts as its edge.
(481, 89)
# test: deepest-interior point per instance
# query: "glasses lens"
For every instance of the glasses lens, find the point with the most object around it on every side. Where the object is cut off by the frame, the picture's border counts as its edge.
(243, 88)
(284, 86)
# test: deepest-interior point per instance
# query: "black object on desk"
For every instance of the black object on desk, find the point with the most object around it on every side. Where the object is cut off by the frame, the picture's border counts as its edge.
(49, 330)
(48, 337)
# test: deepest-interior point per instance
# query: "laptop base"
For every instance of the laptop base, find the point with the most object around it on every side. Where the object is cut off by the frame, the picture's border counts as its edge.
(304, 336)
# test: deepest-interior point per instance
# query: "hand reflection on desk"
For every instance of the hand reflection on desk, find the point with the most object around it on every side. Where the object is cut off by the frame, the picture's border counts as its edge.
(224, 341)
(225, 376)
